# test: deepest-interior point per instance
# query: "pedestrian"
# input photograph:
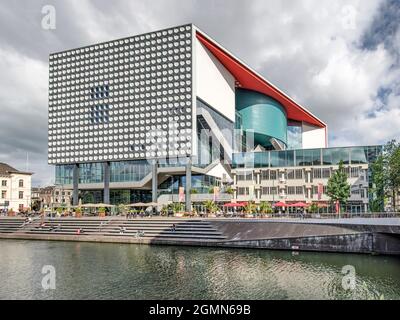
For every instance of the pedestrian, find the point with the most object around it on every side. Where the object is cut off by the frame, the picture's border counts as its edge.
(173, 227)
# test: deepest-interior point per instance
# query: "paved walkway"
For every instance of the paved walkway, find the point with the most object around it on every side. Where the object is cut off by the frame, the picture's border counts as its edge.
(354, 221)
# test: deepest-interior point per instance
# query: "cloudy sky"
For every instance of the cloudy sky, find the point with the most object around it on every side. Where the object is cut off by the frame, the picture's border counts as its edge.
(340, 59)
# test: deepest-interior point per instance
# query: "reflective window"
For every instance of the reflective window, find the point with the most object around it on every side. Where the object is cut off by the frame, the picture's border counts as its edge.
(64, 174)
(129, 171)
(358, 155)
(294, 135)
(91, 173)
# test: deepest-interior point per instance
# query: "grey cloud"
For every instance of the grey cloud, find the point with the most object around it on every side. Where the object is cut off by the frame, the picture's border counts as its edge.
(291, 43)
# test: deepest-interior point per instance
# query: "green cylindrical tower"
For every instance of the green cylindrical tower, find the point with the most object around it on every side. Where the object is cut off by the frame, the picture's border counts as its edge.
(266, 116)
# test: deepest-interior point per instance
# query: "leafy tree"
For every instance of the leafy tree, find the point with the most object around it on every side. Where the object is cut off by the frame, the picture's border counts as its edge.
(378, 185)
(338, 188)
(385, 176)
(229, 190)
(391, 160)
(194, 191)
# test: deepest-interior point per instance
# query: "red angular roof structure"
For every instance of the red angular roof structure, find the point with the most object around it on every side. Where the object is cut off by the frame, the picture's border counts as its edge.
(248, 79)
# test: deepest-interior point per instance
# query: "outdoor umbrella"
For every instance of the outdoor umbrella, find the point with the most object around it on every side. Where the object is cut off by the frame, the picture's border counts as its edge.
(97, 205)
(280, 204)
(231, 205)
(142, 204)
(299, 204)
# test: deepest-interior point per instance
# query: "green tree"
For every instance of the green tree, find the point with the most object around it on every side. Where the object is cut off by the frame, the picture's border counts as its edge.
(391, 162)
(385, 176)
(338, 188)
(378, 185)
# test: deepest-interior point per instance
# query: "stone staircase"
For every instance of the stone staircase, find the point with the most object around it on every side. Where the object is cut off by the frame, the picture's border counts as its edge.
(138, 228)
(193, 230)
(10, 225)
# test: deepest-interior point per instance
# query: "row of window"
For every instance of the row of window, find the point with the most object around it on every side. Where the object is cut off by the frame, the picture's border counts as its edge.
(20, 183)
(294, 190)
(4, 194)
(298, 174)
(306, 157)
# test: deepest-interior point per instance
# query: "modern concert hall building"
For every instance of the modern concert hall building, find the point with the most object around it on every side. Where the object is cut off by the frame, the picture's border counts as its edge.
(171, 115)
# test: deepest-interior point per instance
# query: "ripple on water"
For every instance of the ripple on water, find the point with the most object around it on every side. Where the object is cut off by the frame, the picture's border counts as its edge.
(112, 271)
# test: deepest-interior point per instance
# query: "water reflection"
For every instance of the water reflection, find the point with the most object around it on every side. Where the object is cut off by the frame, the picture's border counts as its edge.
(113, 271)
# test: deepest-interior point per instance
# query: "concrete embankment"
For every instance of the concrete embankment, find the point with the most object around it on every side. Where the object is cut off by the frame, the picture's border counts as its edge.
(302, 235)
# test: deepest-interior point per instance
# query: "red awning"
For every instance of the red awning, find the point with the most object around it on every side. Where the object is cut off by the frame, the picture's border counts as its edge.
(230, 205)
(299, 204)
(280, 204)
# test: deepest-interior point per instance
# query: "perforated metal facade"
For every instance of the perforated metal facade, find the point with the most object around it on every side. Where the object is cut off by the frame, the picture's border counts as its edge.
(125, 99)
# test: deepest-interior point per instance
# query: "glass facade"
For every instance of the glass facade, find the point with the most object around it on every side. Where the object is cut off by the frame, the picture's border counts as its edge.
(306, 157)
(64, 174)
(129, 171)
(200, 183)
(127, 196)
(91, 172)
(294, 135)
(208, 150)
(91, 196)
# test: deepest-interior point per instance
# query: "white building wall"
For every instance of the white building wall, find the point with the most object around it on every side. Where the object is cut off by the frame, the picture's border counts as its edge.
(12, 191)
(219, 172)
(313, 137)
(214, 84)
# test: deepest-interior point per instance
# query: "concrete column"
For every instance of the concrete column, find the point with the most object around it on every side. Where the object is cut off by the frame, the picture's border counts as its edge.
(75, 182)
(188, 200)
(106, 194)
(309, 193)
(365, 207)
(154, 181)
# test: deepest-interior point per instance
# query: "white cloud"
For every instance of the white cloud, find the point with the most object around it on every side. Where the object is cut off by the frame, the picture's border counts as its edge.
(307, 48)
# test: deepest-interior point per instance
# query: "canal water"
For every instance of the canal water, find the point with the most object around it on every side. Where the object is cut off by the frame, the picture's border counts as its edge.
(123, 271)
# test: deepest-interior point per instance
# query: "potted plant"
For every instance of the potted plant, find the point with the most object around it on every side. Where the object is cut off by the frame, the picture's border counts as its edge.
(210, 206)
(78, 212)
(265, 208)
(102, 212)
(250, 209)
